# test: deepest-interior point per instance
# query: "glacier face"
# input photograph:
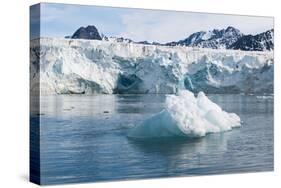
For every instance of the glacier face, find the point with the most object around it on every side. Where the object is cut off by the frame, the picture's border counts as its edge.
(67, 66)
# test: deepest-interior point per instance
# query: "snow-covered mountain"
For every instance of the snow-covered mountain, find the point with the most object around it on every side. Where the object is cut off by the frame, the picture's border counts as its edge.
(67, 66)
(229, 38)
(117, 39)
(216, 39)
(260, 42)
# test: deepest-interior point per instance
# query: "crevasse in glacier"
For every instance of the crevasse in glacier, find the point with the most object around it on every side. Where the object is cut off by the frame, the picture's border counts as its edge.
(67, 66)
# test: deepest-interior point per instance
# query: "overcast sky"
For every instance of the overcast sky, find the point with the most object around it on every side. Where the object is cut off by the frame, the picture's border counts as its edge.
(59, 20)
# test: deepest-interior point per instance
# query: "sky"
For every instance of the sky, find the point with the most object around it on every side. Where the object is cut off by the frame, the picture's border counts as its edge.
(59, 20)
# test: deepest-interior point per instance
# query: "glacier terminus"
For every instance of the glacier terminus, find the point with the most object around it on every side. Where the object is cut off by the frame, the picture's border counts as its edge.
(79, 66)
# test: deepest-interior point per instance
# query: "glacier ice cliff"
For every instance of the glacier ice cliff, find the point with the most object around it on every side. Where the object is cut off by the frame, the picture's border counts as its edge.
(67, 66)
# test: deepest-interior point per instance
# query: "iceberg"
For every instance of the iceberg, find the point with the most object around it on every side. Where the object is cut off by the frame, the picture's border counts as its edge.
(185, 115)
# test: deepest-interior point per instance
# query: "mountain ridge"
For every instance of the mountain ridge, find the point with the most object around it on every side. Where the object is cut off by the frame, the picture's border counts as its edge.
(228, 38)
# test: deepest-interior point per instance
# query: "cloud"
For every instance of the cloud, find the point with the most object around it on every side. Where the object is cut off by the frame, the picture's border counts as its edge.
(165, 26)
(58, 20)
(52, 12)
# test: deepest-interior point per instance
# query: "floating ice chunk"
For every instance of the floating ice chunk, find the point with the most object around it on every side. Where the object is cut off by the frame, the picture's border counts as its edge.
(265, 97)
(188, 116)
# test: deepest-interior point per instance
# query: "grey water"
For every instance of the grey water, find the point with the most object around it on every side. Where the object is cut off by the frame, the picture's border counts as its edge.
(83, 139)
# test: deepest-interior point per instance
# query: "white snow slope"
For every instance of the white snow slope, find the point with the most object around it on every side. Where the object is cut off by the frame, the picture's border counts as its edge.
(67, 66)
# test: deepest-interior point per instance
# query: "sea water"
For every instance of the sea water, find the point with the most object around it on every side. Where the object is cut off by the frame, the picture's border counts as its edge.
(84, 139)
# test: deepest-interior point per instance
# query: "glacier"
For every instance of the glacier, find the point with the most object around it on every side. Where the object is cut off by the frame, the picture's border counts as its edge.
(79, 66)
(186, 116)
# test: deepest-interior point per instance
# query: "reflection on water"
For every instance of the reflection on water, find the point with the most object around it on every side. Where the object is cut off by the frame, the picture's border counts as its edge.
(83, 138)
(90, 106)
(180, 153)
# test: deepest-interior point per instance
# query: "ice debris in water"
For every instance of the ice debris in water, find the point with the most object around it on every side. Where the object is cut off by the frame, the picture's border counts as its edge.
(188, 116)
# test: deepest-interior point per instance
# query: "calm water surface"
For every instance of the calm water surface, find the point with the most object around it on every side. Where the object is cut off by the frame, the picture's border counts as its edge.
(83, 139)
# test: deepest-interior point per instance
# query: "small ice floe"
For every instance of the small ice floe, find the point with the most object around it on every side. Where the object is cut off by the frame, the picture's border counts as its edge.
(69, 109)
(265, 97)
(188, 116)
